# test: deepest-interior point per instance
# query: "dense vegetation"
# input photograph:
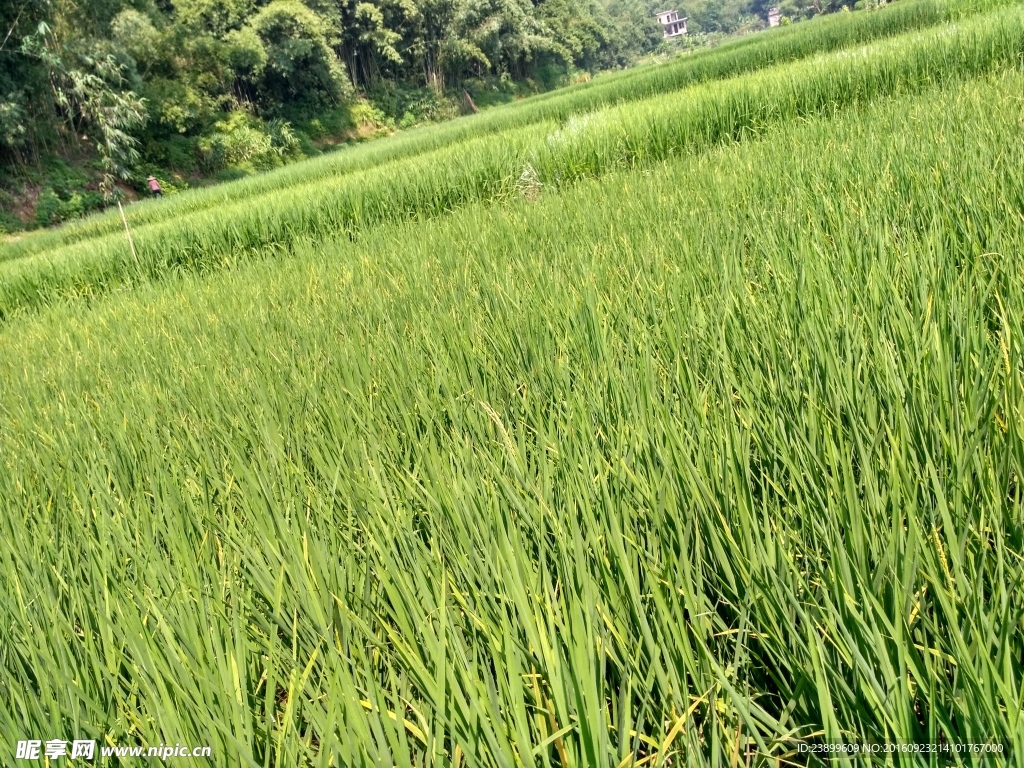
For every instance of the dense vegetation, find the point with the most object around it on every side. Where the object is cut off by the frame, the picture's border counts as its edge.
(96, 95)
(745, 54)
(675, 419)
(201, 88)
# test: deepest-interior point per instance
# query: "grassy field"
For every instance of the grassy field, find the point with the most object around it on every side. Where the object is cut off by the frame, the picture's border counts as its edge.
(700, 442)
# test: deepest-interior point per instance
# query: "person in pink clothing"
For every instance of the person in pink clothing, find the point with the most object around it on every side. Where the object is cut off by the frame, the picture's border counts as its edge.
(154, 187)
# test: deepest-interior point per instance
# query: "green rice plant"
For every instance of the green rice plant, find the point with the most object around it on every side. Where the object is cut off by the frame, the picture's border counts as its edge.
(747, 54)
(489, 168)
(691, 464)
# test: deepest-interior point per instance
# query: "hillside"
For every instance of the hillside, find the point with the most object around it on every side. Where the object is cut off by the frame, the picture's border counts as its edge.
(97, 96)
(670, 418)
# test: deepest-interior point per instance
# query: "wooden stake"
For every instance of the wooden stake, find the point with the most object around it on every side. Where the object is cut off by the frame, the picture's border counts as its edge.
(128, 232)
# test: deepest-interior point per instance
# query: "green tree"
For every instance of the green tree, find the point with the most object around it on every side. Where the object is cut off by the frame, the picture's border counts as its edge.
(302, 72)
(91, 97)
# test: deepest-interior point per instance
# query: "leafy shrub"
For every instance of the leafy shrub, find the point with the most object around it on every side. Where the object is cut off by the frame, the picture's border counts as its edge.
(242, 141)
(47, 208)
(315, 129)
(405, 105)
(306, 146)
(283, 139)
(364, 113)
(72, 208)
(8, 221)
(51, 208)
(63, 179)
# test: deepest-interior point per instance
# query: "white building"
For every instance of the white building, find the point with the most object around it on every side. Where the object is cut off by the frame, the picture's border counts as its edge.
(671, 24)
(774, 17)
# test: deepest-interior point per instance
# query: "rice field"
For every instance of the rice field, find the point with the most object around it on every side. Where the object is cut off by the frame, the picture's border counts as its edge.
(749, 54)
(493, 168)
(699, 444)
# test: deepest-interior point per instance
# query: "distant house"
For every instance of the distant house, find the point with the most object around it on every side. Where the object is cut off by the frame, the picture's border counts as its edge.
(774, 17)
(671, 24)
